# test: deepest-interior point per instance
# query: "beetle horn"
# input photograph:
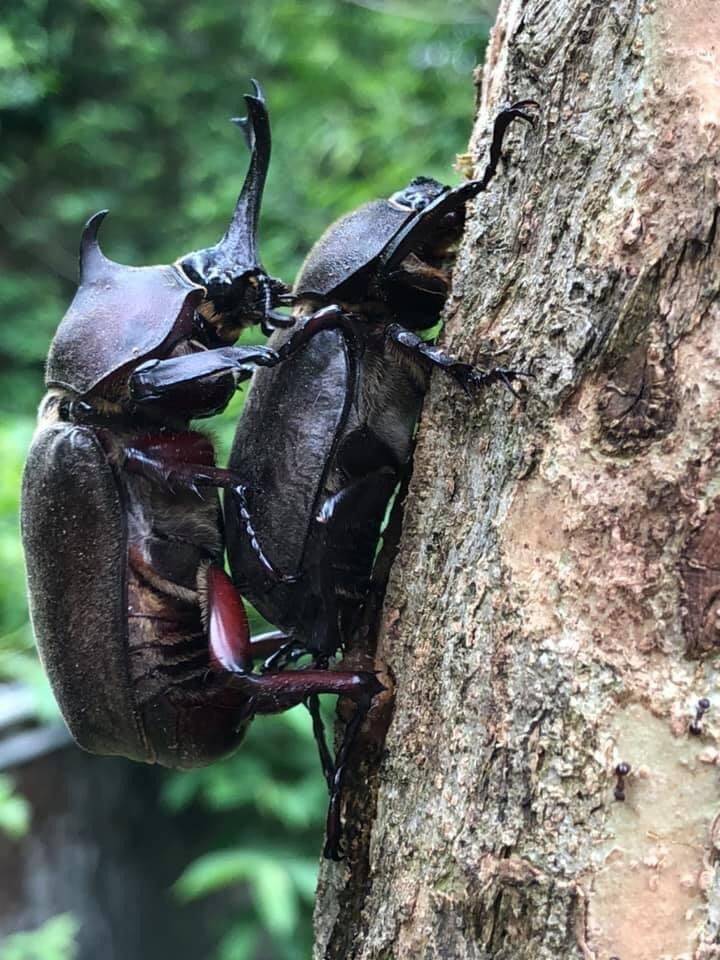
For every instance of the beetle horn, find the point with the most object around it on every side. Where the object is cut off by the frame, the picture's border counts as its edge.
(92, 259)
(241, 235)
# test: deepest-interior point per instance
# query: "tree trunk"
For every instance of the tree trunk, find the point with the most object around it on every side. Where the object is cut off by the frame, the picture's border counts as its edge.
(554, 609)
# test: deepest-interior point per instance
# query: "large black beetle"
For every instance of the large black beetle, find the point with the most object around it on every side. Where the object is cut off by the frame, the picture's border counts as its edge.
(325, 437)
(142, 634)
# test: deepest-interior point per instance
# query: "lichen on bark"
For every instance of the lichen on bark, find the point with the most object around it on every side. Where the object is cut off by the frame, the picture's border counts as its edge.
(554, 606)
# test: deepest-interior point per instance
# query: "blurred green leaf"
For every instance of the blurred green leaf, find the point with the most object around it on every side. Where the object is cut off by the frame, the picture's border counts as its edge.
(14, 809)
(54, 940)
(276, 898)
(239, 944)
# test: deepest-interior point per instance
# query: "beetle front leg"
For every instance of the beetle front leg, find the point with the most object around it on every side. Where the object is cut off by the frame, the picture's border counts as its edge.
(470, 378)
(198, 384)
(331, 317)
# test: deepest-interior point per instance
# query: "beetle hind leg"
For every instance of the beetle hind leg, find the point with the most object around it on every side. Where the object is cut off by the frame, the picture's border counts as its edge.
(333, 825)
(326, 761)
(253, 694)
(231, 655)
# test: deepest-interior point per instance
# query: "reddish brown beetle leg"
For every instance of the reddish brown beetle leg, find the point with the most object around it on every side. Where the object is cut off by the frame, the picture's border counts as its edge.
(228, 630)
(232, 650)
(231, 646)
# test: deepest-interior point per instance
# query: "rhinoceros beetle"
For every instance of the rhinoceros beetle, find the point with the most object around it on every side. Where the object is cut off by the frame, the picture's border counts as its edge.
(325, 437)
(142, 634)
(238, 292)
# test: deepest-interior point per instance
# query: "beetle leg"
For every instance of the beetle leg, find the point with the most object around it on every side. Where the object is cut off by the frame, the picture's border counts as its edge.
(238, 493)
(168, 471)
(231, 646)
(282, 656)
(267, 646)
(341, 549)
(469, 377)
(416, 230)
(353, 516)
(227, 623)
(275, 692)
(331, 317)
(333, 826)
(273, 320)
(197, 383)
(326, 760)
(231, 656)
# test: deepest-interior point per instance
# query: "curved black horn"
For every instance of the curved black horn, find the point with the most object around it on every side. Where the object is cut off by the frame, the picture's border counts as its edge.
(241, 236)
(92, 259)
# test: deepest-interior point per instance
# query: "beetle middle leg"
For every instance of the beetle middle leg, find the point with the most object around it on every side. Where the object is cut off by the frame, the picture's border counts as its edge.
(160, 458)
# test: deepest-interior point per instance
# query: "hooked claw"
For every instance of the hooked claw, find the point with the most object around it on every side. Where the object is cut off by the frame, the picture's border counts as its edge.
(273, 321)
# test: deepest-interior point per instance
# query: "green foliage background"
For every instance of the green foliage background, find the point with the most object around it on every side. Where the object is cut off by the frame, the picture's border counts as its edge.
(124, 104)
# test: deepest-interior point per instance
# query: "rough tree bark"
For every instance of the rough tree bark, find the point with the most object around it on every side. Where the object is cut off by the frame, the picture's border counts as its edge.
(555, 606)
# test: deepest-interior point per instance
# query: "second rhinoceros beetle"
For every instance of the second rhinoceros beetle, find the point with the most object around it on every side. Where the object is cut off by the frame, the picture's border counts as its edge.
(324, 438)
(142, 634)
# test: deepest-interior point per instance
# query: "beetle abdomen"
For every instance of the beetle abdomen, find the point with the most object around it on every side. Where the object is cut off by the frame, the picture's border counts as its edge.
(75, 553)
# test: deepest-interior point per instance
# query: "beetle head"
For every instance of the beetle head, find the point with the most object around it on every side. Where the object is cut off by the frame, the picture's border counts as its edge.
(346, 261)
(240, 292)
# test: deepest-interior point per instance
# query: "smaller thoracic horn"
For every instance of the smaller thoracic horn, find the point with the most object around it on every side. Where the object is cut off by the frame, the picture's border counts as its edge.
(92, 260)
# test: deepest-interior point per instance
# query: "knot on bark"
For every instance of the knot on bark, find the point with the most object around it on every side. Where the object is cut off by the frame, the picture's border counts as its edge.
(637, 404)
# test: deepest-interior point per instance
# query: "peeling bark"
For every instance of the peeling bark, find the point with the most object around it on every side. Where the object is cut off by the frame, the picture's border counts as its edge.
(554, 609)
